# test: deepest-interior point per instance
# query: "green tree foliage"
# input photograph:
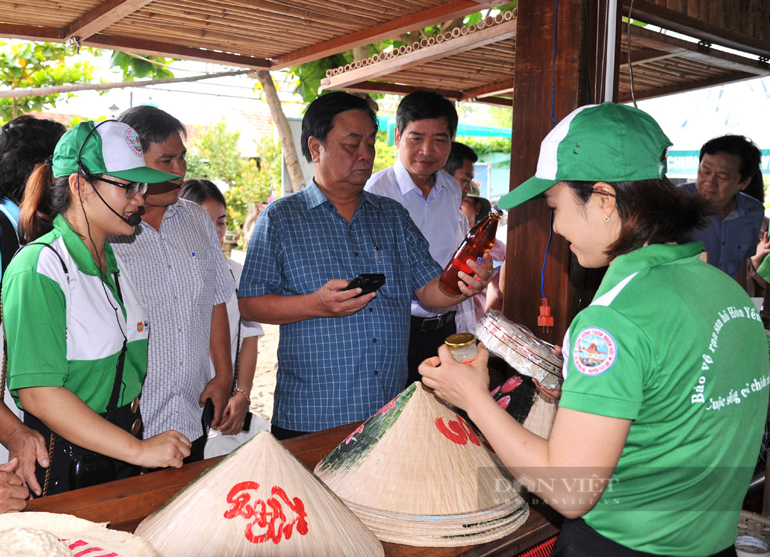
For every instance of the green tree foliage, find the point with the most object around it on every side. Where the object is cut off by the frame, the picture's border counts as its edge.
(139, 67)
(308, 76)
(26, 64)
(214, 155)
(386, 154)
(483, 146)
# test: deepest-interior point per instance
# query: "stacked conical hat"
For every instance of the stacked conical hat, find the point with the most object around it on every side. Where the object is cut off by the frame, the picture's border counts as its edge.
(416, 473)
(260, 500)
(542, 415)
(51, 534)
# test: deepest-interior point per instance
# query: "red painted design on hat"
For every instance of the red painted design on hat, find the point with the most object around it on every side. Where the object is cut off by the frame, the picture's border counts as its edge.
(504, 402)
(350, 437)
(86, 549)
(387, 408)
(512, 383)
(458, 431)
(268, 515)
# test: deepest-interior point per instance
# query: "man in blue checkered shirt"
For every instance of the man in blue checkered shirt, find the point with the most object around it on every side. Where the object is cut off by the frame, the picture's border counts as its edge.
(341, 356)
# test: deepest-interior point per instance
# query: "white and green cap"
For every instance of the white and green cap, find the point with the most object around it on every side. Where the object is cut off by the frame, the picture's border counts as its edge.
(599, 142)
(110, 147)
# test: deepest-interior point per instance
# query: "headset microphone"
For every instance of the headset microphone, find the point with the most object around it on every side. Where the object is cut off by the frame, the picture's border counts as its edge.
(133, 220)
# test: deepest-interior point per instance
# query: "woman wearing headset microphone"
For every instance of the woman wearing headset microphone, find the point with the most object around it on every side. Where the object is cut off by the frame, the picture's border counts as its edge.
(75, 327)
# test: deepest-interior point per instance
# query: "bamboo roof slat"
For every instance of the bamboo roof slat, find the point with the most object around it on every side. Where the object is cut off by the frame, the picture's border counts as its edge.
(276, 34)
(217, 39)
(246, 19)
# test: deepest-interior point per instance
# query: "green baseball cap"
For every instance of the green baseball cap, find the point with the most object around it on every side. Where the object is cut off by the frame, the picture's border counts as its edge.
(599, 142)
(109, 147)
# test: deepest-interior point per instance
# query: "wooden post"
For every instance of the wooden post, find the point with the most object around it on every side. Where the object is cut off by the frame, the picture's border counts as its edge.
(528, 225)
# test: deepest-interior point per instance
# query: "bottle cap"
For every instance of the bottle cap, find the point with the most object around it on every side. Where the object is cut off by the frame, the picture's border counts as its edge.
(460, 340)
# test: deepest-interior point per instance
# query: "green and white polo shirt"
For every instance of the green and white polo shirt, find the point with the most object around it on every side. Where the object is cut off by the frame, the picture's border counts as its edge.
(675, 346)
(65, 331)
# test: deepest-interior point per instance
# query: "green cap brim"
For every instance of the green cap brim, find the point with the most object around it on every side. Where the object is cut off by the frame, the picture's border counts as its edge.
(532, 188)
(145, 175)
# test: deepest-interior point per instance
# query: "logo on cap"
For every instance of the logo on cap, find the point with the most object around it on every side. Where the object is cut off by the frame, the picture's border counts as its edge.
(595, 351)
(132, 140)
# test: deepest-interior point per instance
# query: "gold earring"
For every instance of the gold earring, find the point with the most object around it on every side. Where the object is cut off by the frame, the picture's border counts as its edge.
(606, 218)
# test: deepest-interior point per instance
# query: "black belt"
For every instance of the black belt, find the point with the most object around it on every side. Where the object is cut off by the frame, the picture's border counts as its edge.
(429, 324)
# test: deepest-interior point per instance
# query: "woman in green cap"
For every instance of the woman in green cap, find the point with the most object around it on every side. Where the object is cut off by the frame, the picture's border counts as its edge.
(666, 372)
(75, 326)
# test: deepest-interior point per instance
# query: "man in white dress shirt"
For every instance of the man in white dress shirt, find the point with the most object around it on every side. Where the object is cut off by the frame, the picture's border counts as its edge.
(426, 123)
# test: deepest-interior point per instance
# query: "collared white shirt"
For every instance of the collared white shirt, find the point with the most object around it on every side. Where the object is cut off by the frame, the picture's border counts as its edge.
(181, 274)
(436, 216)
(465, 320)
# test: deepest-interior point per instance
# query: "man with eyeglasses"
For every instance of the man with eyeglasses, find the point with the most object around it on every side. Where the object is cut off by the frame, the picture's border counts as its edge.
(175, 260)
(728, 168)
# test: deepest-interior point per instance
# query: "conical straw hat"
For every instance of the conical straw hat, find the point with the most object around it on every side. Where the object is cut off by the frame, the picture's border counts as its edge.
(417, 473)
(260, 500)
(82, 537)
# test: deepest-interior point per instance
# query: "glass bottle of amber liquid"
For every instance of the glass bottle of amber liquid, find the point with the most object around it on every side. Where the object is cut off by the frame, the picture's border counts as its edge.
(477, 242)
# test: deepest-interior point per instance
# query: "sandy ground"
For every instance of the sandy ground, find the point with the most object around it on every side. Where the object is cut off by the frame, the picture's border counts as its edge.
(264, 378)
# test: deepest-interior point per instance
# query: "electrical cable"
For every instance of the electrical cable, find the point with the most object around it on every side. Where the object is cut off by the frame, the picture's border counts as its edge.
(603, 68)
(545, 257)
(553, 66)
(585, 54)
(545, 319)
(628, 52)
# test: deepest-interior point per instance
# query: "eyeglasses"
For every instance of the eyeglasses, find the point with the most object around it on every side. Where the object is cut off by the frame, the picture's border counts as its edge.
(132, 188)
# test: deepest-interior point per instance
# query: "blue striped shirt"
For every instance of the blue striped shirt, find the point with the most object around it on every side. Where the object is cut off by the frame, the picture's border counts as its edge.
(334, 371)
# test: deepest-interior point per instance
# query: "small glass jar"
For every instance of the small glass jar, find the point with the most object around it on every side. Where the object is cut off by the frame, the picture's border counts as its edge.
(462, 346)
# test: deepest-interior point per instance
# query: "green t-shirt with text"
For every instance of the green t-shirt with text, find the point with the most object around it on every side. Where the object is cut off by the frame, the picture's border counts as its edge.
(677, 347)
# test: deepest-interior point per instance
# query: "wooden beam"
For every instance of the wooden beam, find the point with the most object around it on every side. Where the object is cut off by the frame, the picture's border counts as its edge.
(647, 55)
(31, 32)
(695, 52)
(102, 16)
(727, 61)
(438, 14)
(155, 48)
(396, 89)
(488, 90)
(138, 46)
(450, 47)
(497, 101)
(650, 12)
(529, 224)
(689, 86)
